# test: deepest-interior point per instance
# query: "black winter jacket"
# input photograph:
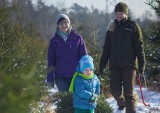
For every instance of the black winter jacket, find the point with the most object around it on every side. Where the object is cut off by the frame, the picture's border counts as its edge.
(123, 45)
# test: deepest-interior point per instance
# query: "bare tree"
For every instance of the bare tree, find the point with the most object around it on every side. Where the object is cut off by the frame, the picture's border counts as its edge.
(155, 4)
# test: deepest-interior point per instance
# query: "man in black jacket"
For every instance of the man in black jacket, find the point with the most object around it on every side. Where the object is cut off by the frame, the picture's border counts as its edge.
(123, 45)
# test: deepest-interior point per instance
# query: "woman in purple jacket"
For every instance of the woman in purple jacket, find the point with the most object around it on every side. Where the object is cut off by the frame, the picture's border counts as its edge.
(64, 51)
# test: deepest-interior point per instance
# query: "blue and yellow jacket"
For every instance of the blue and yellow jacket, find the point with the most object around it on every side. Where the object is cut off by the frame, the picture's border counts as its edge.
(83, 91)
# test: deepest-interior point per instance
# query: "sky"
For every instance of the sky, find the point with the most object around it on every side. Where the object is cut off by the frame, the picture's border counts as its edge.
(138, 7)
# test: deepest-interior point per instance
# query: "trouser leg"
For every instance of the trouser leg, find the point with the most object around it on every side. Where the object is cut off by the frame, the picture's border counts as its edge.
(116, 85)
(78, 110)
(63, 84)
(129, 76)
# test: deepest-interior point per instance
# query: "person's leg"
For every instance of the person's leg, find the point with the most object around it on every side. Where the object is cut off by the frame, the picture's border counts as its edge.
(78, 110)
(62, 84)
(91, 111)
(116, 85)
(129, 76)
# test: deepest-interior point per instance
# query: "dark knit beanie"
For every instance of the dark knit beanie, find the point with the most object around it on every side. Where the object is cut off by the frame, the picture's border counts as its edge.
(122, 7)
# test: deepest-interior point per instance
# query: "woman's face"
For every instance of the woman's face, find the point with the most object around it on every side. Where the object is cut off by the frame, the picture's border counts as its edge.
(88, 71)
(120, 16)
(63, 25)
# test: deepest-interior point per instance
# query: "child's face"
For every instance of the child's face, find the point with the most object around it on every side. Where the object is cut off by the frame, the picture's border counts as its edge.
(88, 71)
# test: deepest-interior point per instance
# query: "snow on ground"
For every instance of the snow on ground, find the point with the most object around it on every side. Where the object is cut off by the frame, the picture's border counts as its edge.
(151, 97)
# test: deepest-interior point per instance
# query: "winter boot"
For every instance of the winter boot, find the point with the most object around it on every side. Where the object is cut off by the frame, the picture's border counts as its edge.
(121, 107)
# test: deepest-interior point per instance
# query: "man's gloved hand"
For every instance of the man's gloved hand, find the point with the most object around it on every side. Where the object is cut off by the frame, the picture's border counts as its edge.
(141, 71)
(141, 74)
(142, 78)
(50, 84)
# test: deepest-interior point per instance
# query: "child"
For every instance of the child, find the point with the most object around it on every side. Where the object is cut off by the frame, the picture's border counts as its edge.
(85, 86)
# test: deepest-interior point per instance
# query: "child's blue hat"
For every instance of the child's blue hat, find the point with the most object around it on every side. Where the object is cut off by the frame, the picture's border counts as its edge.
(86, 62)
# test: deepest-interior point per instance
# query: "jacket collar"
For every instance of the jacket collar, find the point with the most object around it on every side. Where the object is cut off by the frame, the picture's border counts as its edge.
(123, 23)
(72, 32)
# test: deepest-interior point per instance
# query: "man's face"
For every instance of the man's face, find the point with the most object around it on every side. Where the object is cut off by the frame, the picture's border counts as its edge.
(120, 16)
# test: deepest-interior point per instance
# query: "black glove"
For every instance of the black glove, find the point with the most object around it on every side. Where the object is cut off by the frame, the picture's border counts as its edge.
(142, 79)
(141, 71)
(50, 84)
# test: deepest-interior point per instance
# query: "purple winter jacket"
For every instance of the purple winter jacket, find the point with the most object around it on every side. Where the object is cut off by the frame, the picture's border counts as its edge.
(63, 57)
